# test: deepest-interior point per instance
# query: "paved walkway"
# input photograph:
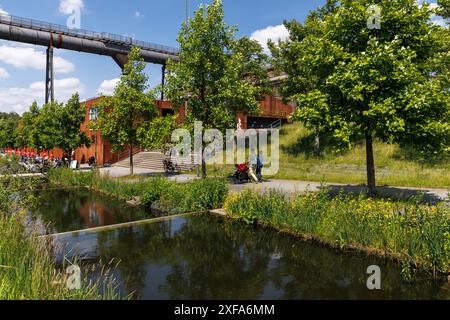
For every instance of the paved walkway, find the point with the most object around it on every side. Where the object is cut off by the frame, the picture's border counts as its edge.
(118, 172)
(291, 187)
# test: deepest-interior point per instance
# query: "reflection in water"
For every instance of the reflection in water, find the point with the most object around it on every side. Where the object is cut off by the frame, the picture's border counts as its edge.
(207, 258)
(70, 210)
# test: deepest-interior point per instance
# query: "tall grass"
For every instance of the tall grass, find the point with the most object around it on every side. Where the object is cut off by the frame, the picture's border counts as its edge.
(416, 233)
(196, 196)
(27, 265)
(395, 166)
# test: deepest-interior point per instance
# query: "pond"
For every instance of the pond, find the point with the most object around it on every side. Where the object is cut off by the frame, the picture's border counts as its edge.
(204, 257)
(70, 210)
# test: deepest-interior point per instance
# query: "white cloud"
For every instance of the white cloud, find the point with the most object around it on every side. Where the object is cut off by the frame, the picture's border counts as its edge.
(68, 6)
(19, 99)
(3, 11)
(275, 33)
(25, 57)
(107, 87)
(138, 15)
(439, 21)
(3, 73)
(434, 18)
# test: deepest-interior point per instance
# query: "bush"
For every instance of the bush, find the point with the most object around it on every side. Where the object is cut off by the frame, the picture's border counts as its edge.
(196, 196)
(154, 191)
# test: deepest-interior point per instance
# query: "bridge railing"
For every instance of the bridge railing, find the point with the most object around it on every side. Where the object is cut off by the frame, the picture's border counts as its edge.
(86, 34)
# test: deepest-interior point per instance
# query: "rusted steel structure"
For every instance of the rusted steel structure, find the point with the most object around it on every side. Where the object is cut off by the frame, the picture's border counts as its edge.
(56, 36)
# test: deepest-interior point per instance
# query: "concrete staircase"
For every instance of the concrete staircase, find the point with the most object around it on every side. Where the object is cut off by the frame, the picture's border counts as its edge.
(151, 161)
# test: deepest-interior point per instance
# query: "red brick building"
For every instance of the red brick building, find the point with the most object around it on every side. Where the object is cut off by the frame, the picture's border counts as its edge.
(271, 109)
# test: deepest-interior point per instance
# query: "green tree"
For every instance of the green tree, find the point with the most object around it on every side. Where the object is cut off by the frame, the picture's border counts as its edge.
(47, 126)
(356, 82)
(28, 131)
(445, 7)
(208, 77)
(157, 134)
(443, 59)
(123, 114)
(254, 64)
(9, 123)
(55, 125)
(71, 116)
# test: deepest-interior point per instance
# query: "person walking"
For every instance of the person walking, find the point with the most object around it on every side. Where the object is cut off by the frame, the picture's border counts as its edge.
(253, 164)
(259, 166)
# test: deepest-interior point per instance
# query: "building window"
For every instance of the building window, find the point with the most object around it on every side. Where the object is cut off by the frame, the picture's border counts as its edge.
(93, 114)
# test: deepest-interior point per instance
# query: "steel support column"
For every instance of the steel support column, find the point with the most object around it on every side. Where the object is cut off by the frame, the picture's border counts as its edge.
(163, 81)
(49, 78)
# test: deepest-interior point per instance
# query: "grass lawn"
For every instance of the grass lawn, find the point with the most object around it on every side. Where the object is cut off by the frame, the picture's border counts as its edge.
(394, 166)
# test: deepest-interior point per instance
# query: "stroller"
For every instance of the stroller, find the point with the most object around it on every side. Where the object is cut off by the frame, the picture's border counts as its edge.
(242, 174)
(170, 166)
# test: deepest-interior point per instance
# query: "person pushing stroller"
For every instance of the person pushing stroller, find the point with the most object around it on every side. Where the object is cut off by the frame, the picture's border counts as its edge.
(244, 173)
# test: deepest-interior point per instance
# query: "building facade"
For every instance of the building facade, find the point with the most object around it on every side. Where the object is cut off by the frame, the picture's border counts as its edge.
(272, 110)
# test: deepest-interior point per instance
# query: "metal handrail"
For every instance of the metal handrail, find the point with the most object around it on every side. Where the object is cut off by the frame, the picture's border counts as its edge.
(86, 34)
(276, 125)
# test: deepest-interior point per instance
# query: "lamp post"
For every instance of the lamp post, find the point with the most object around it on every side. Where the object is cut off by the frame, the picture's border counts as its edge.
(187, 11)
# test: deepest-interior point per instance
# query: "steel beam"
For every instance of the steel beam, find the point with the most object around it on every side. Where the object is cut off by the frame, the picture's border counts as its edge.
(163, 81)
(68, 42)
(49, 77)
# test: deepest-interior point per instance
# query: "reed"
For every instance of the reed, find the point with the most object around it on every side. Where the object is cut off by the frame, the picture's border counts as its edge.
(27, 264)
(416, 233)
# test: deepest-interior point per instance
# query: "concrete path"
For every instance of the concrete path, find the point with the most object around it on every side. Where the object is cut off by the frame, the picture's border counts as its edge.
(290, 187)
(118, 172)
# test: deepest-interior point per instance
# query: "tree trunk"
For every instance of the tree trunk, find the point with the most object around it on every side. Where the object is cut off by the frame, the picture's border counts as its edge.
(131, 160)
(317, 144)
(371, 184)
(204, 169)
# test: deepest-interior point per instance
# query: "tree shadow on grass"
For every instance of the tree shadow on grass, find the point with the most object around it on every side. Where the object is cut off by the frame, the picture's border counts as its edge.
(409, 153)
(384, 192)
(306, 145)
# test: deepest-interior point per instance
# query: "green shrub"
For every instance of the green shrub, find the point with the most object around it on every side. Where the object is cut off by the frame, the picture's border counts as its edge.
(196, 196)
(68, 178)
(203, 195)
(154, 190)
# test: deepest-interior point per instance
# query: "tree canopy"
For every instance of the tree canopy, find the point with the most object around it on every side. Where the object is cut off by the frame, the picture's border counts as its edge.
(55, 125)
(122, 115)
(209, 77)
(71, 116)
(157, 134)
(357, 82)
(445, 7)
(9, 123)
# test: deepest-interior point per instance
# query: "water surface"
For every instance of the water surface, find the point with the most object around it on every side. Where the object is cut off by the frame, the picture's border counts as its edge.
(70, 210)
(205, 257)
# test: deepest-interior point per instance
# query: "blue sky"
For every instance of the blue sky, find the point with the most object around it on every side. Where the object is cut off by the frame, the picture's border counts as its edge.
(22, 67)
